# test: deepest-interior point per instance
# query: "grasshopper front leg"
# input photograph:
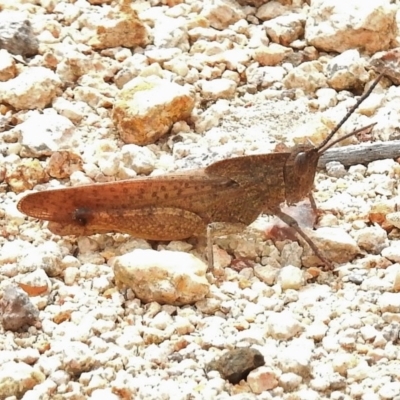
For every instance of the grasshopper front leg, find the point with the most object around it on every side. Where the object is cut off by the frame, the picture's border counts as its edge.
(290, 221)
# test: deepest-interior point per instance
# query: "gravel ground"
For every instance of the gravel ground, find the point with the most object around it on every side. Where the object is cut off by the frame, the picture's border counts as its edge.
(97, 91)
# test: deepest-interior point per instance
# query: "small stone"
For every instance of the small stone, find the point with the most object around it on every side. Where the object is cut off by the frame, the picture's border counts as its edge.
(373, 239)
(17, 378)
(75, 111)
(336, 169)
(235, 59)
(388, 61)
(11, 251)
(286, 28)
(47, 256)
(109, 164)
(8, 68)
(93, 97)
(271, 55)
(264, 76)
(392, 252)
(390, 390)
(270, 10)
(166, 277)
(100, 394)
(41, 135)
(291, 278)
(25, 175)
(308, 76)
(291, 252)
(236, 364)
(141, 159)
(63, 163)
(146, 108)
(290, 381)
(368, 332)
(70, 275)
(335, 243)
(262, 379)
(345, 26)
(35, 283)
(268, 273)
(16, 34)
(34, 88)
(283, 326)
(123, 28)
(361, 371)
(17, 310)
(296, 357)
(394, 218)
(347, 71)
(218, 89)
(341, 362)
(76, 357)
(381, 167)
(316, 330)
(378, 215)
(222, 13)
(327, 98)
(209, 305)
(376, 283)
(389, 302)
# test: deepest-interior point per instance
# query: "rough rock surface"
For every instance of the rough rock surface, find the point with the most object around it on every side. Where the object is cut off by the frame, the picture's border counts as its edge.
(164, 277)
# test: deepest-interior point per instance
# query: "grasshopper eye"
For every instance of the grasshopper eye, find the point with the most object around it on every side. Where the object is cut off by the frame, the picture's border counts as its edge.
(300, 163)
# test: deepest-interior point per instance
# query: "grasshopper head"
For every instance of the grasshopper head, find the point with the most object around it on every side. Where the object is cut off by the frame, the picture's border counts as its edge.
(300, 169)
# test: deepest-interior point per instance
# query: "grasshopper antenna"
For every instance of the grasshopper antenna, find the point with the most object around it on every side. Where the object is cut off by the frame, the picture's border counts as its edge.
(347, 116)
(356, 132)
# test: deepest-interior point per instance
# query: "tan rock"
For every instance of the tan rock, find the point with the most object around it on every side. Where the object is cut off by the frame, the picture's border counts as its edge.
(34, 88)
(341, 25)
(347, 71)
(271, 55)
(394, 218)
(98, 2)
(147, 107)
(167, 277)
(25, 175)
(307, 76)
(63, 163)
(262, 379)
(222, 13)
(125, 29)
(256, 3)
(286, 28)
(388, 61)
(271, 10)
(335, 243)
(235, 59)
(372, 239)
(218, 89)
(16, 378)
(8, 69)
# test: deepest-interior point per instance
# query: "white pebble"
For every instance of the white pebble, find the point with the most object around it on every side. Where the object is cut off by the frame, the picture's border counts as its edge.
(291, 277)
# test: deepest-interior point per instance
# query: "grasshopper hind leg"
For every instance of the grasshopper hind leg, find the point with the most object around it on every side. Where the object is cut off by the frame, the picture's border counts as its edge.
(152, 223)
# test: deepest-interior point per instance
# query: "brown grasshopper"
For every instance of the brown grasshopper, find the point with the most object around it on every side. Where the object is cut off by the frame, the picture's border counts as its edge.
(222, 198)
